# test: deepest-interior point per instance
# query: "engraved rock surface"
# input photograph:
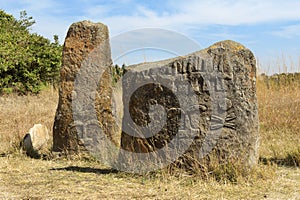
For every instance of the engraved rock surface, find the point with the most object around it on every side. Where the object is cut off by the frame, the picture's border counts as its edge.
(185, 111)
(86, 44)
(200, 105)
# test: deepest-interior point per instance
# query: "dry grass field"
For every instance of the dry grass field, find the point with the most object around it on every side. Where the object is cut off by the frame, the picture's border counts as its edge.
(277, 175)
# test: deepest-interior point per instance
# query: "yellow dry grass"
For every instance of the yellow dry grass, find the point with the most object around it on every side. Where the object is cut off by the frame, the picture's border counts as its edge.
(19, 113)
(279, 114)
(276, 176)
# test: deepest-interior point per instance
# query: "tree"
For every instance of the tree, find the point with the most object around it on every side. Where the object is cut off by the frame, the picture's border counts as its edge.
(28, 61)
(117, 73)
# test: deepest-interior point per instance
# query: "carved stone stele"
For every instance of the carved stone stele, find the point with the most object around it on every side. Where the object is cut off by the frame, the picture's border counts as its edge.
(86, 52)
(202, 105)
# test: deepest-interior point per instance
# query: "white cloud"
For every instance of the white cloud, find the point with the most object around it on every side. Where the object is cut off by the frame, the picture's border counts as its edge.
(98, 10)
(37, 6)
(154, 39)
(183, 14)
(229, 12)
(288, 32)
(48, 27)
(177, 15)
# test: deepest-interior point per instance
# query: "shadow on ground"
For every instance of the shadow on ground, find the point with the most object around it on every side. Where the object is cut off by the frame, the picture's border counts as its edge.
(86, 170)
(288, 161)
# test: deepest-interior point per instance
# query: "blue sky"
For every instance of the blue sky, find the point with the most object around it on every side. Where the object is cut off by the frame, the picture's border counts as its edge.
(270, 28)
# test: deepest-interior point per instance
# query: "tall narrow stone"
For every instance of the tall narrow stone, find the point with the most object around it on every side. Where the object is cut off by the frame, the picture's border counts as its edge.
(86, 54)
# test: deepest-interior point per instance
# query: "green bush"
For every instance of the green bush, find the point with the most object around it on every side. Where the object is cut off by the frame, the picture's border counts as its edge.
(27, 61)
(117, 73)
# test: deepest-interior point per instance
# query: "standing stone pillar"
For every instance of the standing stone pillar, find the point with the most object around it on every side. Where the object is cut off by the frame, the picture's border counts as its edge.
(192, 110)
(86, 43)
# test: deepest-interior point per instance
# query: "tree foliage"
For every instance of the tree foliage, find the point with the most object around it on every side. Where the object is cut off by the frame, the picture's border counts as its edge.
(27, 61)
(117, 73)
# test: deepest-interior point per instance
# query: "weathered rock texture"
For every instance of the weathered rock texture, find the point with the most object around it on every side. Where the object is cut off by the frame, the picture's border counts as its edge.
(221, 118)
(37, 141)
(86, 44)
(188, 111)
